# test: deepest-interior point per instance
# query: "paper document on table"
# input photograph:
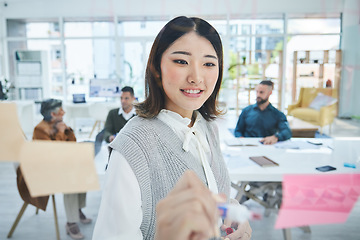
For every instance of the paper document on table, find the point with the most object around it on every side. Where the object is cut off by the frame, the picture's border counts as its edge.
(237, 160)
(51, 167)
(317, 199)
(289, 144)
(242, 142)
(11, 135)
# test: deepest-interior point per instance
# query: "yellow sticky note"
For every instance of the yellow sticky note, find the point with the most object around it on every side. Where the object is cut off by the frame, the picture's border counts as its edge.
(11, 135)
(51, 167)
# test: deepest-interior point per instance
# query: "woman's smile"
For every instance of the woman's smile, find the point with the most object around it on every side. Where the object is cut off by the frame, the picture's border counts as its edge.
(189, 72)
(192, 92)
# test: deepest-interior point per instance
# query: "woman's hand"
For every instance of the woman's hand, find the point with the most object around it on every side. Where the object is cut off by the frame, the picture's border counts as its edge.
(188, 212)
(269, 140)
(60, 126)
(243, 230)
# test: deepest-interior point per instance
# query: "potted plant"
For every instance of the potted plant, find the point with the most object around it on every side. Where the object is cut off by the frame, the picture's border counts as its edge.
(5, 86)
(243, 60)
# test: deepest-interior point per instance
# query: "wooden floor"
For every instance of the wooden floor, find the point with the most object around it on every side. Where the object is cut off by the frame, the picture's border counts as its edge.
(41, 226)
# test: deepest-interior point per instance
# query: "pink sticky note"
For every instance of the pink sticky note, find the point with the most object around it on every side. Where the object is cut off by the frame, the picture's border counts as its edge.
(310, 199)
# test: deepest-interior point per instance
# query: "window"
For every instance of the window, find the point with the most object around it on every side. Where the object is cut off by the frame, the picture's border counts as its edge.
(250, 60)
(88, 29)
(91, 48)
(315, 34)
(140, 28)
(314, 25)
(23, 28)
(256, 26)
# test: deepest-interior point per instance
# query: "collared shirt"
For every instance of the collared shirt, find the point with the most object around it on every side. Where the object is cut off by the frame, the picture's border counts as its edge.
(121, 199)
(194, 140)
(128, 115)
(256, 123)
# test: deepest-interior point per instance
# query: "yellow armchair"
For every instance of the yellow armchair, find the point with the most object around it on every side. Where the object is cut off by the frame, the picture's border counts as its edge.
(320, 118)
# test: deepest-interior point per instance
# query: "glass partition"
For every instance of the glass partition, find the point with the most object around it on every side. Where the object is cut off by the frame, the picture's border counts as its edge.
(88, 29)
(32, 29)
(315, 26)
(252, 47)
(140, 28)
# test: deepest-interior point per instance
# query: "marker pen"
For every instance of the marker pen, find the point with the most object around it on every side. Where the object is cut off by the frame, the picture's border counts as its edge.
(349, 165)
(237, 213)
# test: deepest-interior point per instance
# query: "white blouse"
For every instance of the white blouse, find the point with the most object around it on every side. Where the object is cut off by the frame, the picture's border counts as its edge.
(120, 213)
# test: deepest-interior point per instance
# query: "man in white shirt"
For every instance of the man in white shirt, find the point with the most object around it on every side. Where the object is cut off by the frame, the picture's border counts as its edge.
(118, 117)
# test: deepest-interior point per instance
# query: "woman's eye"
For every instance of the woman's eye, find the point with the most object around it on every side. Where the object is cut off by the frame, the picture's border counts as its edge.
(209, 64)
(180, 61)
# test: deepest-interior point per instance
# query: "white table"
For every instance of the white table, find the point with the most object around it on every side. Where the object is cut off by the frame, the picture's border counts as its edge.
(86, 110)
(334, 152)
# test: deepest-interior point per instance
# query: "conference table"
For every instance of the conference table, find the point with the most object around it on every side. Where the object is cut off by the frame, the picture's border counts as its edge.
(295, 156)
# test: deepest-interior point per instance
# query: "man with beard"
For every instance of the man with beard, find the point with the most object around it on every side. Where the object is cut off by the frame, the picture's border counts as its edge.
(262, 119)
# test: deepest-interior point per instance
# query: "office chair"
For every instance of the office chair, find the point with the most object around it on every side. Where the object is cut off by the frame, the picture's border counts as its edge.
(38, 202)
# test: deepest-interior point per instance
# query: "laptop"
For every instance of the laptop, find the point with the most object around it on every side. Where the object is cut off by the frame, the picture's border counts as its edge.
(79, 98)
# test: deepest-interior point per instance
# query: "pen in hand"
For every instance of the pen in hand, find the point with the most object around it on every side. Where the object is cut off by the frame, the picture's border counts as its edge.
(237, 213)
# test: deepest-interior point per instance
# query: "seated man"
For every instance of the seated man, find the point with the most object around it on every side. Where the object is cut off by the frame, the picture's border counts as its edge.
(262, 119)
(118, 117)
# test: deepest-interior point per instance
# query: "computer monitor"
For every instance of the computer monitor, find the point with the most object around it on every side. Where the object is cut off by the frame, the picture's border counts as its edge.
(79, 98)
(105, 88)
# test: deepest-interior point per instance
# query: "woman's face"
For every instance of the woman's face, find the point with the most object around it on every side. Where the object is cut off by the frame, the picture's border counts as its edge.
(57, 117)
(189, 71)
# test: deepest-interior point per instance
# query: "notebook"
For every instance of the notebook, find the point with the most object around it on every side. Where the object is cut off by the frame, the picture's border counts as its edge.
(264, 161)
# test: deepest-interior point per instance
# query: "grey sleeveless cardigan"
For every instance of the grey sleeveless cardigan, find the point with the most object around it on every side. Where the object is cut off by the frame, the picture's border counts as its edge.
(155, 154)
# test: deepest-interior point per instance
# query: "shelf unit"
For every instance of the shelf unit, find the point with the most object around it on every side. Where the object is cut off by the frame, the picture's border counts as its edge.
(31, 74)
(56, 82)
(318, 59)
(264, 61)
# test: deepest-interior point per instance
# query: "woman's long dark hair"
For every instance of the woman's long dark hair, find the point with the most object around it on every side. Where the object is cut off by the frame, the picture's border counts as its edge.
(154, 92)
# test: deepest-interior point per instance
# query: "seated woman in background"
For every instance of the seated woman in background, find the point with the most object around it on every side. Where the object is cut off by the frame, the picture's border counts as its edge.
(172, 133)
(53, 128)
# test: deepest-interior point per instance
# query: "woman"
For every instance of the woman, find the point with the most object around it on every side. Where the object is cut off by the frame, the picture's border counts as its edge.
(53, 128)
(172, 133)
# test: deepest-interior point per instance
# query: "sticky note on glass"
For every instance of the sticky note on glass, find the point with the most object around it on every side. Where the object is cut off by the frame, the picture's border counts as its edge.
(51, 167)
(11, 135)
(317, 199)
